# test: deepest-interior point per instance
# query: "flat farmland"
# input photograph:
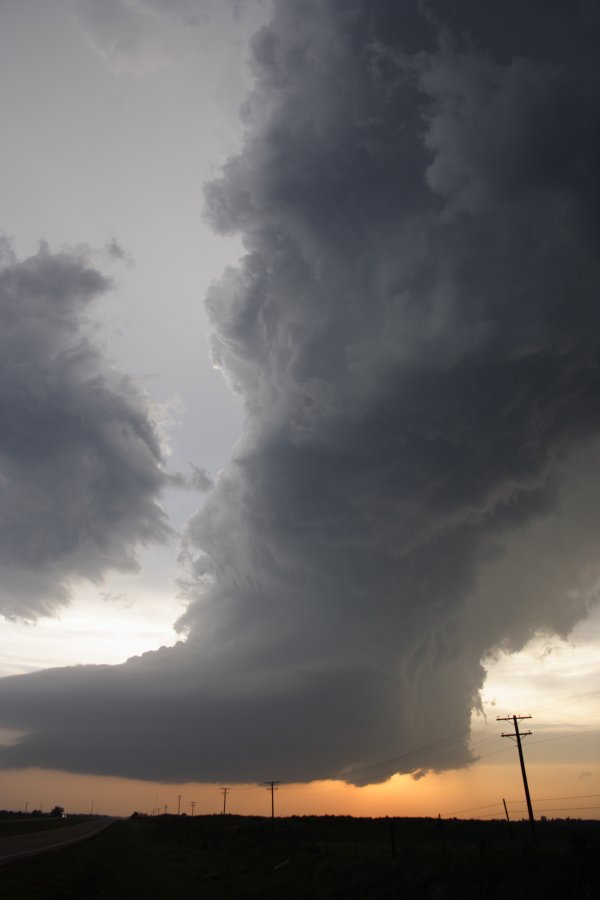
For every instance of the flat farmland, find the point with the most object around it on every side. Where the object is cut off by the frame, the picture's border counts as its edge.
(31, 824)
(315, 857)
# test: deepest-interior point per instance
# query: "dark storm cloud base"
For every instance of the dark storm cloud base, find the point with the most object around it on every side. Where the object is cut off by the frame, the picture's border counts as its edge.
(414, 334)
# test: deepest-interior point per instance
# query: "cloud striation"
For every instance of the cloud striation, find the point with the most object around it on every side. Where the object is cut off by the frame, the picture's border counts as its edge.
(80, 463)
(413, 331)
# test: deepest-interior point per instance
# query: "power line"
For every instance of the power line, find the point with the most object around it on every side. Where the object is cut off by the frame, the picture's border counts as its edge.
(571, 797)
(438, 752)
(417, 752)
(442, 750)
(563, 737)
(255, 787)
(518, 735)
(456, 812)
(570, 808)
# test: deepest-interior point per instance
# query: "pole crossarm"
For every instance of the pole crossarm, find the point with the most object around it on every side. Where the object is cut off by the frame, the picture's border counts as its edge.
(272, 786)
(517, 735)
(225, 791)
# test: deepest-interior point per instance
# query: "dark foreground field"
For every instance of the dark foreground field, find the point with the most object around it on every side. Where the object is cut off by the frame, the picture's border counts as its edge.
(240, 857)
(22, 824)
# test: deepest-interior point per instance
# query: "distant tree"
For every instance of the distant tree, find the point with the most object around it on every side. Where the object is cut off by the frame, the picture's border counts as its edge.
(57, 811)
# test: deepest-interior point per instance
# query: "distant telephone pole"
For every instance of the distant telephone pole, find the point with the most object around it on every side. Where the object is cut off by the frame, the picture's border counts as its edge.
(518, 735)
(179, 796)
(225, 791)
(272, 787)
(192, 804)
(508, 820)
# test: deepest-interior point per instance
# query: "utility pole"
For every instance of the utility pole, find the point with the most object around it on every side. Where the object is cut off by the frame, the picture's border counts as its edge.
(225, 791)
(192, 804)
(508, 820)
(272, 786)
(442, 836)
(166, 805)
(518, 735)
(179, 796)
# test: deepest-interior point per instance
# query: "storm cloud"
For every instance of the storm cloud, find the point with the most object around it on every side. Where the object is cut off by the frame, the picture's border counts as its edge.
(80, 462)
(413, 331)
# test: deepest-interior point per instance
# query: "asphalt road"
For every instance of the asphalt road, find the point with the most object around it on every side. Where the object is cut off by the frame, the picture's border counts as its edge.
(18, 846)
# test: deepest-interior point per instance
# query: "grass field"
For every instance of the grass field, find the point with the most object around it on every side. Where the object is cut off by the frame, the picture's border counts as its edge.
(30, 824)
(328, 857)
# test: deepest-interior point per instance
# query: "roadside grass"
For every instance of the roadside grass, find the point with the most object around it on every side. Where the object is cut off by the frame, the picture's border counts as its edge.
(29, 824)
(326, 858)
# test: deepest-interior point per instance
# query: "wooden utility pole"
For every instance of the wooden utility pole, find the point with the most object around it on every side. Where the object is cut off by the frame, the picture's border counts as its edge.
(179, 796)
(442, 835)
(192, 804)
(272, 786)
(225, 791)
(508, 819)
(518, 735)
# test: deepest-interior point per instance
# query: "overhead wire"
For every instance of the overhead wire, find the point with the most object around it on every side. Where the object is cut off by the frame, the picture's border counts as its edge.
(442, 751)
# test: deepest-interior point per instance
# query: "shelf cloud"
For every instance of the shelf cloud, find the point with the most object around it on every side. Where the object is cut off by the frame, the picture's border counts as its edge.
(413, 331)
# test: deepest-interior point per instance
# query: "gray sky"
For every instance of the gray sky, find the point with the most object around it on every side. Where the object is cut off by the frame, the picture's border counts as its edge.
(108, 143)
(396, 242)
(95, 151)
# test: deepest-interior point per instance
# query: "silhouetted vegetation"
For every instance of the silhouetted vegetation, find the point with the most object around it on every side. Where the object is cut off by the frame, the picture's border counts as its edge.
(326, 858)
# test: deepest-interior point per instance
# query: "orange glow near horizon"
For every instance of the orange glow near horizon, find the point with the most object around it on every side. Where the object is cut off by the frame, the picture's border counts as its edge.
(476, 792)
(560, 687)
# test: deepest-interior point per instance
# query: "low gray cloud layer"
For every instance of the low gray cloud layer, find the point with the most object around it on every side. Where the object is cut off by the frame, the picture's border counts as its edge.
(414, 333)
(80, 464)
